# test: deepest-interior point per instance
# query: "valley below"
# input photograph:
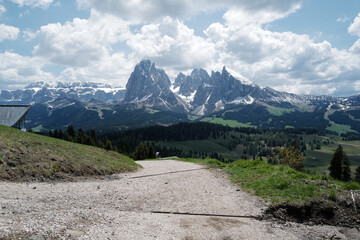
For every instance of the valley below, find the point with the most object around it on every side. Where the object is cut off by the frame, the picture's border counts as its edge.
(165, 199)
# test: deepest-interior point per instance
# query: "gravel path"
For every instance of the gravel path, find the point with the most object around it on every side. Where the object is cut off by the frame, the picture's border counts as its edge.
(123, 208)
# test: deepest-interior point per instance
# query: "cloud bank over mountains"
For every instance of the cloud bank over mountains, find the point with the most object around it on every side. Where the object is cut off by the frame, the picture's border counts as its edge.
(117, 34)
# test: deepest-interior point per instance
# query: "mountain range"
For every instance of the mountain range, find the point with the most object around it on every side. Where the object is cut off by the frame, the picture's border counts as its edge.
(40, 92)
(223, 97)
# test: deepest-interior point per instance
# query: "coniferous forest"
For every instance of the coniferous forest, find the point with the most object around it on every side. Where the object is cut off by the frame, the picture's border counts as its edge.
(246, 143)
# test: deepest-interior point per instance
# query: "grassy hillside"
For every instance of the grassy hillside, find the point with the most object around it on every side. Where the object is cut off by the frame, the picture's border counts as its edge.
(280, 183)
(230, 123)
(27, 156)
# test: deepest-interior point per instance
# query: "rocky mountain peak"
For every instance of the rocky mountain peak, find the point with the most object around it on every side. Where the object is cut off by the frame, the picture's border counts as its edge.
(224, 72)
(145, 67)
(150, 86)
(199, 75)
(179, 80)
(187, 85)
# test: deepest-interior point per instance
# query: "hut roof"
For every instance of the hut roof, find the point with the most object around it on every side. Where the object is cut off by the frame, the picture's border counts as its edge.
(11, 114)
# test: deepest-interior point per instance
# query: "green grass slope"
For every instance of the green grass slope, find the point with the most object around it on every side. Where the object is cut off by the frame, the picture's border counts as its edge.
(27, 156)
(279, 183)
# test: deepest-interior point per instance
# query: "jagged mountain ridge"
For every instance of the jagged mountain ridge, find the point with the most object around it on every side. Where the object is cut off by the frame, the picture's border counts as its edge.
(40, 92)
(222, 90)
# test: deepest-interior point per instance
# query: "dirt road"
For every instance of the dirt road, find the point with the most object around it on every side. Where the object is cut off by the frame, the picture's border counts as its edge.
(149, 204)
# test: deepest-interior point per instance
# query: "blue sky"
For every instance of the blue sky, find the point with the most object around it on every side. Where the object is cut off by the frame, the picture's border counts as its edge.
(300, 46)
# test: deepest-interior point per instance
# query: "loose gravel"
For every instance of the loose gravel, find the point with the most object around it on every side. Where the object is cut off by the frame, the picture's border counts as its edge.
(123, 206)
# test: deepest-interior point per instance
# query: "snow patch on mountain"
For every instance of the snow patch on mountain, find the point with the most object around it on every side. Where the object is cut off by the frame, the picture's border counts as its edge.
(219, 105)
(188, 99)
(174, 89)
(200, 110)
(239, 77)
(242, 100)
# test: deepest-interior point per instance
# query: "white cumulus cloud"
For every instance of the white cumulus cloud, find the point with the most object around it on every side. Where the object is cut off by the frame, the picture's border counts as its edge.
(354, 28)
(2, 9)
(113, 69)
(242, 16)
(355, 48)
(149, 10)
(82, 41)
(284, 60)
(172, 44)
(342, 19)
(16, 71)
(8, 32)
(86, 48)
(33, 3)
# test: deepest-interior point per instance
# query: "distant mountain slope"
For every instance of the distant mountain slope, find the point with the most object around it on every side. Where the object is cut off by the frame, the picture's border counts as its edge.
(65, 111)
(265, 116)
(40, 92)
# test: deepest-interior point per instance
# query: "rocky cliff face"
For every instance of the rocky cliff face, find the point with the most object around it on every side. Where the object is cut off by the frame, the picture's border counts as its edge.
(150, 86)
(187, 85)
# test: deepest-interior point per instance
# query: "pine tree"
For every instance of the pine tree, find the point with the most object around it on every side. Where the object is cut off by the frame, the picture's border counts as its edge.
(346, 174)
(87, 140)
(61, 135)
(141, 152)
(357, 174)
(151, 152)
(70, 133)
(80, 136)
(100, 144)
(108, 145)
(93, 137)
(56, 133)
(340, 165)
(336, 163)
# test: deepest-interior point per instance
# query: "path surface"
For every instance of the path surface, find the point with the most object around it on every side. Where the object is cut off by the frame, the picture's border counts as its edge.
(123, 208)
